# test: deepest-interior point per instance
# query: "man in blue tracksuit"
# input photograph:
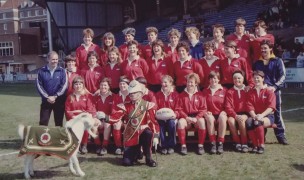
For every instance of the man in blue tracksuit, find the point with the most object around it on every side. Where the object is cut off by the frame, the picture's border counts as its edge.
(274, 70)
(52, 84)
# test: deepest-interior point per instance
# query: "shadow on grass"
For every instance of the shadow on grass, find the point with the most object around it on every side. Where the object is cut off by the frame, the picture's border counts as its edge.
(47, 174)
(299, 167)
(10, 144)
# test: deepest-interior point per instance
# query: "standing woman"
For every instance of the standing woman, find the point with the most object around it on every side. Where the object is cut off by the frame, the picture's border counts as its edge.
(129, 34)
(209, 62)
(260, 34)
(112, 69)
(108, 41)
(159, 65)
(87, 46)
(215, 98)
(234, 62)
(185, 65)
(235, 108)
(167, 97)
(134, 66)
(174, 36)
(104, 103)
(275, 73)
(71, 69)
(152, 34)
(218, 40)
(93, 73)
(190, 111)
(261, 104)
(80, 100)
(241, 38)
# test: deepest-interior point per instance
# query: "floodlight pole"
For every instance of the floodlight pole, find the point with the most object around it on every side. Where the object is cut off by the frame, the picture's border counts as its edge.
(49, 26)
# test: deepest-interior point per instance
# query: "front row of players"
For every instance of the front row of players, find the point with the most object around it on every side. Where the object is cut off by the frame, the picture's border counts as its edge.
(133, 111)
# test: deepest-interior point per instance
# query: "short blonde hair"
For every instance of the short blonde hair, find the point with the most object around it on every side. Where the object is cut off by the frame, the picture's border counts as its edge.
(193, 30)
(193, 76)
(174, 32)
(220, 27)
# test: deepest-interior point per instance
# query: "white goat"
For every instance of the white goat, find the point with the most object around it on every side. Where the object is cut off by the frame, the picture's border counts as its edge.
(81, 122)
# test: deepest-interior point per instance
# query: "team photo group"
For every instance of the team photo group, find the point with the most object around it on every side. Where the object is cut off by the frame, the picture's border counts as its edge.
(150, 95)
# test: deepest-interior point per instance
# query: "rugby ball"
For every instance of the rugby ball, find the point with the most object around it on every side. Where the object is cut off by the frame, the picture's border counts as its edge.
(164, 114)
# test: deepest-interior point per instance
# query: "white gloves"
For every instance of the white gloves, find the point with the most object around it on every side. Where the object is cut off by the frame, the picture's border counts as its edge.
(100, 115)
(155, 142)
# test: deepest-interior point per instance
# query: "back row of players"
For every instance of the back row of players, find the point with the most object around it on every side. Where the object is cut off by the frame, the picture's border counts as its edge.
(192, 66)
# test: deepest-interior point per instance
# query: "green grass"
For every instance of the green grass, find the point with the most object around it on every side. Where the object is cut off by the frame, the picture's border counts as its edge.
(19, 103)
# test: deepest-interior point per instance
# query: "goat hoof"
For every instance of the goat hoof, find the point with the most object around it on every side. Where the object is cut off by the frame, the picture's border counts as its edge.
(81, 174)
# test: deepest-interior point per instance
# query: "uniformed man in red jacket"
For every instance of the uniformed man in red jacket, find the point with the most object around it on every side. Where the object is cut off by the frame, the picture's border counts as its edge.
(141, 128)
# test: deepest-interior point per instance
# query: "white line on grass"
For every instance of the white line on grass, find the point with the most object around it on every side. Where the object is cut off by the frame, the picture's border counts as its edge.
(294, 109)
(9, 153)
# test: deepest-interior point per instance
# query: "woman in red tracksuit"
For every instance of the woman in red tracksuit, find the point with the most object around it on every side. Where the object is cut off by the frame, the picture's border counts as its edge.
(170, 50)
(83, 50)
(104, 103)
(185, 65)
(215, 99)
(121, 98)
(235, 108)
(261, 105)
(108, 41)
(218, 33)
(112, 69)
(159, 65)
(209, 62)
(93, 73)
(71, 71)
(190, 110)
(79, 101)
(134, 66)
(234, 62)
(167, 97)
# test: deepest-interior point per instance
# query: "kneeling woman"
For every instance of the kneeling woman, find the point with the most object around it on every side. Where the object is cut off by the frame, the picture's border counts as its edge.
(167, 97)
(261, 105)
(215, 98)
(190, 109)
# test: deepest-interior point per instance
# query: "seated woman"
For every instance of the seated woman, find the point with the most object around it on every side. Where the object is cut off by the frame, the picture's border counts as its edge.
(261, 105)
(80, 100)
(235, 108)
(190, 109)
(167, 97)
(104, 102)
(215, 98)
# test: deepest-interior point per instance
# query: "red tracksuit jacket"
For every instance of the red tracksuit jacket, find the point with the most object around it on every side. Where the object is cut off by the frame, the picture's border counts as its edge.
(215, 66)
(236, 64)
(85, 104)
(157, 71)
(235, 102)
(82, 54)
(259, 102)
(215, 102)
(137, 68)
(196, 105)
(189, 66)
(113, 73)
(92, 78)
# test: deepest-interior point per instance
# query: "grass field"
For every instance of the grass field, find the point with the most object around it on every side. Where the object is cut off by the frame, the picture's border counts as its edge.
(19, 103)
